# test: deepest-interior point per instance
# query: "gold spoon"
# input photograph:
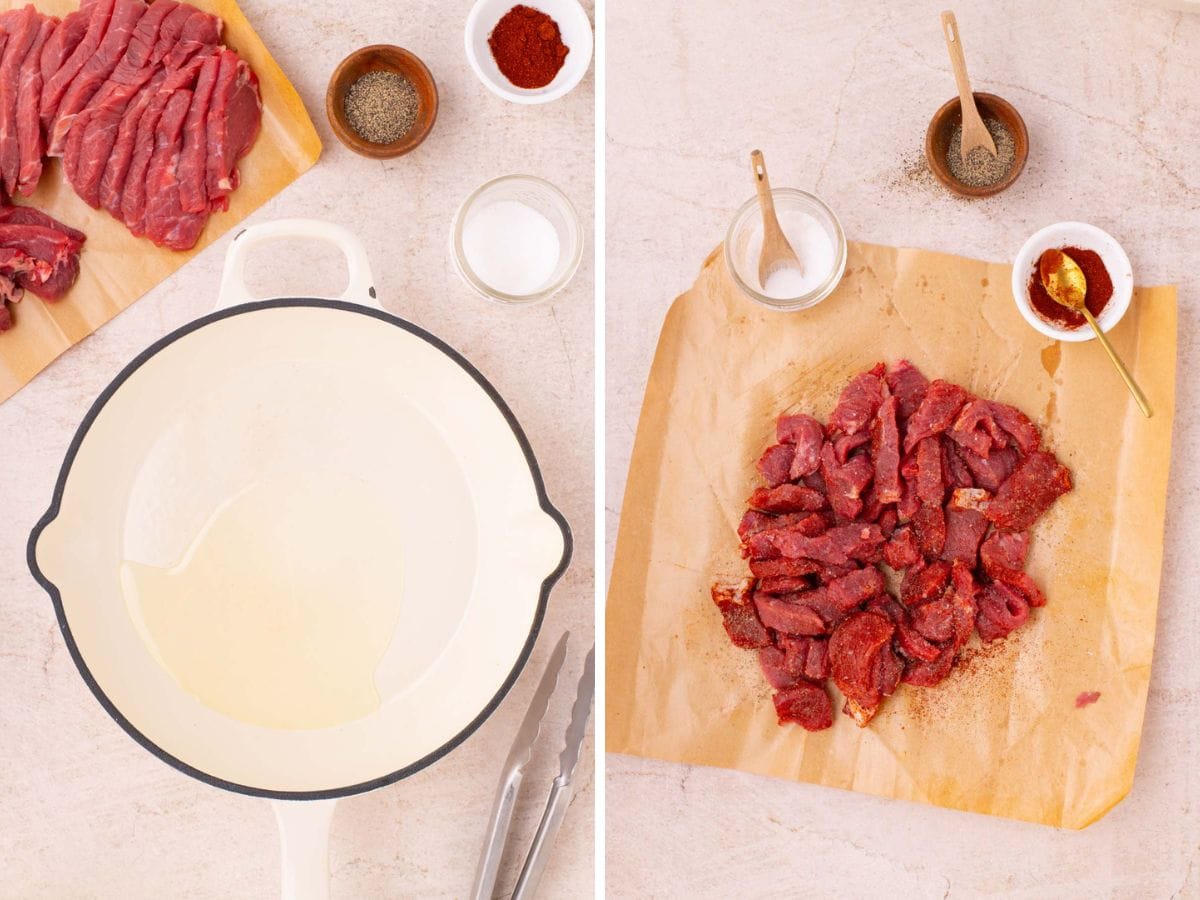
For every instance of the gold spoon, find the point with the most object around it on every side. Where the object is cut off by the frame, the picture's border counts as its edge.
(1064, 281)
(776, 252)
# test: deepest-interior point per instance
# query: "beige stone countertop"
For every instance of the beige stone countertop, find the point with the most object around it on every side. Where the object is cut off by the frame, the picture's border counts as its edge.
(838, 96)
(86, 812)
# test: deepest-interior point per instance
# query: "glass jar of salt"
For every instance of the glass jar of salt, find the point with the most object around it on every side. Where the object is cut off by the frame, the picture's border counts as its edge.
(517, 239)
(813, 232)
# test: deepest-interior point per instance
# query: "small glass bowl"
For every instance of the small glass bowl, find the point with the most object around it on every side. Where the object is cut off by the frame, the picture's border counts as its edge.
(745, 236)
(539, 195)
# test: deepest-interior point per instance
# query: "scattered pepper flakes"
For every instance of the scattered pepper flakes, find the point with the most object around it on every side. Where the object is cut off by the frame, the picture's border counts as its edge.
(1087, 698)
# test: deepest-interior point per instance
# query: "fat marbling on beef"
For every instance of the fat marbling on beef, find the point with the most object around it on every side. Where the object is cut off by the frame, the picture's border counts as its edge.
(917, 476)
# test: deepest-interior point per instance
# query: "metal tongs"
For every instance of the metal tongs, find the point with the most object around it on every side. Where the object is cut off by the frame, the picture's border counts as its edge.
(561, 791)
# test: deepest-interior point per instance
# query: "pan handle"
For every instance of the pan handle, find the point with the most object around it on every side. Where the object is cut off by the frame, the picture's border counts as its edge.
(360, 289)
(304, 847)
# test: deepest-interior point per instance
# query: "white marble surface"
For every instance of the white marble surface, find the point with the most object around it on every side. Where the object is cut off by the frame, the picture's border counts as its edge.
(838, 96)
(84, 811)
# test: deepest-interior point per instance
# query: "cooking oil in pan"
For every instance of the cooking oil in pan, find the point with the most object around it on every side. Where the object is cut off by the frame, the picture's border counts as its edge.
(282, 606)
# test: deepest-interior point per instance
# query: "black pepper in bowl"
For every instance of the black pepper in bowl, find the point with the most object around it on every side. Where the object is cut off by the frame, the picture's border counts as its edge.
(980, 168)
(381, 106)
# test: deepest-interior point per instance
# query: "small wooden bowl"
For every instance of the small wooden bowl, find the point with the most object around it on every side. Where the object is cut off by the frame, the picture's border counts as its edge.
(387, 58)
(937, 141)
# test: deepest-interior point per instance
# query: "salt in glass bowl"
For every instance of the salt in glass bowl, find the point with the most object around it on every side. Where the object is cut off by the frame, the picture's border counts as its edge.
(1085, 237)
(539, 195)
(744, 238)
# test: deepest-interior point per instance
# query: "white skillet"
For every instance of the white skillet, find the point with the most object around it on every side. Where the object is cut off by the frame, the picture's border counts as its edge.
(337, 390)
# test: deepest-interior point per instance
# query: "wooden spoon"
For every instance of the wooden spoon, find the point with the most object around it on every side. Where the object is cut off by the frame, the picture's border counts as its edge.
(1066, 284)
(776, 252)
(974, 132)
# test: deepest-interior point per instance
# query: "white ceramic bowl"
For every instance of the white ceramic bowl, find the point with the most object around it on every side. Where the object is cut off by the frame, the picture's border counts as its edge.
(576, 31)
(1086, 237)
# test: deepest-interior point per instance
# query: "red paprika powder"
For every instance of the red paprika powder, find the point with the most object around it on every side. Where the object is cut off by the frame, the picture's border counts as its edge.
(1099, 291)
(528, 47)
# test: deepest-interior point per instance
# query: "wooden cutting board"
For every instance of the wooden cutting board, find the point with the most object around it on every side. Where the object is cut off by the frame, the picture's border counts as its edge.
(116, 267)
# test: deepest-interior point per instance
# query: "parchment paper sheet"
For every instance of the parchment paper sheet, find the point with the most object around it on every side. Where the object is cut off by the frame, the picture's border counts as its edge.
(118, 268)
(1002, 735)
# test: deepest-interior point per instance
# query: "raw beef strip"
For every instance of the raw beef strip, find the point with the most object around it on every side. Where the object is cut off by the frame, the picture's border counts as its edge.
(929, 674)
(934, 620)
(992, 472)
(1038, 481)
(201, 27)
(858, 402)
(775, 465)
(133, 195)
(1002, 610)
(806, 435)
(741, 621)
(234, 117)
(838, 545)
(956, 471)
(929, 525)
(1004, 550)
(807, 656)
(976, 429)
(845, 483)
(27, 215)
(787, 617)
(191, 171)
(845, 444)
(886, 446)
(22, 28)
(922, 585)
(931, 486)
(909, 387)
(29, 124)
(56, 85)
(853, 651)
(161, 213)
(965, 529)
(962, 600)
(915, 646)
(806, 704)
(787, 498)
(936, 413)
(95, 70)
(62, 43)
(780, 670)
(1018, 426)
(902, 550)
(782, 567)
(54, 246)
(1022, 583)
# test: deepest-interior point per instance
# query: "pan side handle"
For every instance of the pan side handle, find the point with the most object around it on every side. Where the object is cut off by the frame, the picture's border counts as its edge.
(304, 847)
(360, 288)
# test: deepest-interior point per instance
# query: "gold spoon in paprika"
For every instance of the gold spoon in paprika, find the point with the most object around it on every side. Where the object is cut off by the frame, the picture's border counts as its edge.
(776, 252)
(1066, 284)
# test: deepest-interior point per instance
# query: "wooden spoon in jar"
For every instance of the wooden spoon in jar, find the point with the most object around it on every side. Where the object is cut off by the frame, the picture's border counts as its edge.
(974, 132)
(1066, 284)
(776, 253)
